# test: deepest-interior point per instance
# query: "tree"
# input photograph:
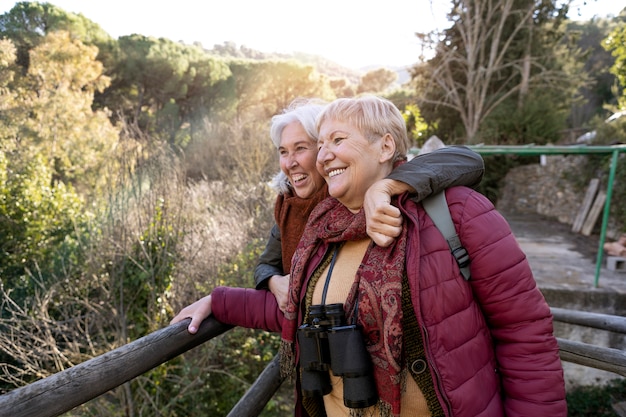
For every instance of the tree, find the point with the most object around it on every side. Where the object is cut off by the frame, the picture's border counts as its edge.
(377, 81)
(50, 140)
(616, 44)
(589, 37)
(58, 91)
(264, 88)
(342, 87)
(11, 116)
(160, 85)
(28, 22)
(495, 51)
(289, 79)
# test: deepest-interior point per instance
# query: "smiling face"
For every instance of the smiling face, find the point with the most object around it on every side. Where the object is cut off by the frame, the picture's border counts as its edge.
(297, 155)
(350, 163)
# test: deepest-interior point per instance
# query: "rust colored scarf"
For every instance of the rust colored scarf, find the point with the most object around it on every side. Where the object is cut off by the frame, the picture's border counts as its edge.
(291, 213)
(377, 287)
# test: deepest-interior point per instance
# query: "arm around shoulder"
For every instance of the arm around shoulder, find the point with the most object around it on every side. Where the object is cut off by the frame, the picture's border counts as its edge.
(443, 168)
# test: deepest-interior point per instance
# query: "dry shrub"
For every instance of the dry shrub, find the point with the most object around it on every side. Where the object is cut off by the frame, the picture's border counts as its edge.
(52, 331)
(235, 152)
(220, 220)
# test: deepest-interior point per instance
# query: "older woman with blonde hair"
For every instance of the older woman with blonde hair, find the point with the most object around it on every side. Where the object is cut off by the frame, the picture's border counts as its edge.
(397, 330)
(439, 345)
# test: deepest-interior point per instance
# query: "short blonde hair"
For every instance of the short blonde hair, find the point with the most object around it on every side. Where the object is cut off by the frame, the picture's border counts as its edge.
(374, 116)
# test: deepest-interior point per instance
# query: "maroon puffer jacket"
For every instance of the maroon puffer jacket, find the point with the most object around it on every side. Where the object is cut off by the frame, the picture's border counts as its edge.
(489, 341)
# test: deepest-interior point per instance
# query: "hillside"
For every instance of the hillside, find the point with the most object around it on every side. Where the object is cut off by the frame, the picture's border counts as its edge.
(322, 65)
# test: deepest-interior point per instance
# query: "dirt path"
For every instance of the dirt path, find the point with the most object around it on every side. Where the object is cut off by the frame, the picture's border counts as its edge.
(561, 258)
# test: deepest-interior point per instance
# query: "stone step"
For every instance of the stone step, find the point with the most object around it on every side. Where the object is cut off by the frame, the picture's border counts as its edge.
(616, 263)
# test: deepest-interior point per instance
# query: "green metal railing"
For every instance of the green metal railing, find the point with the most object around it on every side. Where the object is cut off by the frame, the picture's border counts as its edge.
(615, 150)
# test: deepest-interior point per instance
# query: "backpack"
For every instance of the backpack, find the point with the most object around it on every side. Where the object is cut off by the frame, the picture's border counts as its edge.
(437, 208)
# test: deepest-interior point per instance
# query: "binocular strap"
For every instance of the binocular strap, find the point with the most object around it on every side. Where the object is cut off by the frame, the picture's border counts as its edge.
(330, 272)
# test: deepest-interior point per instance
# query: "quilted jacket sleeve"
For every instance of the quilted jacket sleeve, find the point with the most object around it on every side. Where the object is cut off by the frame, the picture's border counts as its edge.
(246, 307)
(516, 312)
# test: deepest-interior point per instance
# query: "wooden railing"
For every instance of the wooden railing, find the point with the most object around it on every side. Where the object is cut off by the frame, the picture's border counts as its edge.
(61, 392)
(606, 359)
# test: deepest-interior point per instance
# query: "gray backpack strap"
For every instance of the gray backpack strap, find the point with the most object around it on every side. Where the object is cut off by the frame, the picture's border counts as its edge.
(437, 208)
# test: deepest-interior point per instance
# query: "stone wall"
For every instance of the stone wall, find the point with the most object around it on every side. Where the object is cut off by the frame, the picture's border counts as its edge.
(545, 189)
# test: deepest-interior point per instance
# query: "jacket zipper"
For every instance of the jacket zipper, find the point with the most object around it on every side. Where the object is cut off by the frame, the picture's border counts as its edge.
(446, 402)
(446, 406)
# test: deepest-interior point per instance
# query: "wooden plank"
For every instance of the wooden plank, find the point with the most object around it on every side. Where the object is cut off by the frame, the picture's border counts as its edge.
(594, 213)
(592, 189)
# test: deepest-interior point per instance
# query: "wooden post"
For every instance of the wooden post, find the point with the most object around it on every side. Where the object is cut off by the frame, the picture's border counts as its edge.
(256, 398)
(606, 359)
(59, 393)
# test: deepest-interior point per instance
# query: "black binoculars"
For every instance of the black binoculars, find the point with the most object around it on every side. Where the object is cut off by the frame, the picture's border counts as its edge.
(327, 342)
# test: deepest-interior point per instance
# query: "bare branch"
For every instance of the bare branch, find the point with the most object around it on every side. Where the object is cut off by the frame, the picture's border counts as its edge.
(474, 70)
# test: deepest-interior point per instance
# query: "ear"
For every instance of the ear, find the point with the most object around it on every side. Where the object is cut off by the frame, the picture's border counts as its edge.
(387, 148)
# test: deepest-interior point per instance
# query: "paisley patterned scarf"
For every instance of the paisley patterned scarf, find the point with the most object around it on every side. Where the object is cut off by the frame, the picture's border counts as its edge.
(377, 287)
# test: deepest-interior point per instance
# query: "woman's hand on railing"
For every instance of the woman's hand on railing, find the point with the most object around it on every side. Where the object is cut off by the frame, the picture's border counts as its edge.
(197, 311)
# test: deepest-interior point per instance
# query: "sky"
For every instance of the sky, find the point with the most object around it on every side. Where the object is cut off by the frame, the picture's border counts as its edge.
(353, 33)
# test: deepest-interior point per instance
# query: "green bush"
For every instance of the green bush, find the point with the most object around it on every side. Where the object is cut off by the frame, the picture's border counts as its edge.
(596, 401)
(41, 223)
(539, 121)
